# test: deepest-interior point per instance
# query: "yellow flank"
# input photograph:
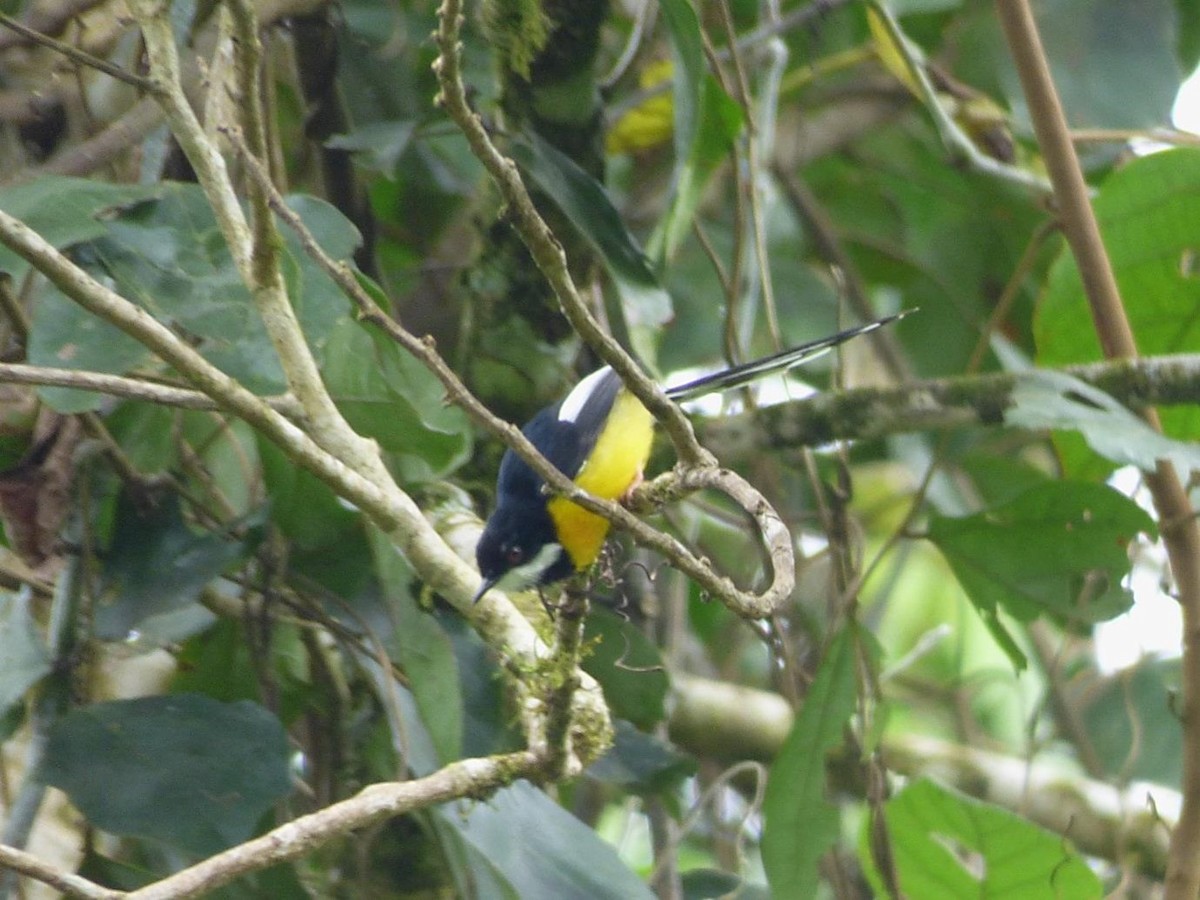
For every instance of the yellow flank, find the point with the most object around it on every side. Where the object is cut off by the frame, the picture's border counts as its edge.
(614, 465)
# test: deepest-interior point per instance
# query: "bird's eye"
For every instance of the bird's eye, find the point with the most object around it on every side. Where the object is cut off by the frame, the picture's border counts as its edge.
(514, 555)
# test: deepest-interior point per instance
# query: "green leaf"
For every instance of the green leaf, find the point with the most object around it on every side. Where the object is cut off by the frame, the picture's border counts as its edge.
(386, 394)
(155, 768)
(1058, 548)
(64, 211)
(706, 122)
(641, 763)
(1146, 215)
(1056, 400)
(629, 668)
(801, 823)
(169, 257)
(705, 884)
(156, 564)
(541, 850)
(949, 847)
(644, 302)
(64, 335)
(25, 656)
(423, 651)
(721, 121)
(380, 144)
(1124, 710)
(305, 508)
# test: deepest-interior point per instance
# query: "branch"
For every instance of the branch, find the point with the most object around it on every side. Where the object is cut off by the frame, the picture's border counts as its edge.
(476, 778)
(70, 885)
(128, 388)
(936, 405)
(1180, 530)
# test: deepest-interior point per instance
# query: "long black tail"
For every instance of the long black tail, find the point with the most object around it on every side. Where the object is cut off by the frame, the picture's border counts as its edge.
(776, 362)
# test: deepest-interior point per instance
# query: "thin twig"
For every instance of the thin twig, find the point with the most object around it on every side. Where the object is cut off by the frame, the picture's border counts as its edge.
(76, 55)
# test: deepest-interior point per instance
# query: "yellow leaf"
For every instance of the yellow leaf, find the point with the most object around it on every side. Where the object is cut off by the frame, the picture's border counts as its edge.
(650, 123)
(893, 57)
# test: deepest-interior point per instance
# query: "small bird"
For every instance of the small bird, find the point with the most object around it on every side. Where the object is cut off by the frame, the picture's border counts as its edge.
(599, 436)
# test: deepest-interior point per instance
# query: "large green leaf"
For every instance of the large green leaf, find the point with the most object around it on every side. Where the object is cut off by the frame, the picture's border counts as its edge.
(720, 123)
(156, 564)
(64, 211)
(644, 302)
(629, 668)
(540, 850)
(949, 847)
(25, 656)
(168, 256)
(1058, 548)
(1132, 723)
(388, 395)
(183, 770)
(641, 763)
(801, 823)
(1114, 62)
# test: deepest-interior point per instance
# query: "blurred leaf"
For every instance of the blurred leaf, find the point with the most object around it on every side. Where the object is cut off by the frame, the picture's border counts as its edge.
(64, 335)
(541, 850)
(1132, 723)
(949, 847)
(721, 121)
(1114, 63)
(388, 395)
(380, 144)
(1188, 42)
(641, 763)
(305, 508)
(1058, 548)
(25, 656)
(156, 564)
(628, 666)
(151, 768)
(64, 211)
(424, 651)
(650, 122)
(1056, 400)
(801, 823)
(706, 884)
(645, 304)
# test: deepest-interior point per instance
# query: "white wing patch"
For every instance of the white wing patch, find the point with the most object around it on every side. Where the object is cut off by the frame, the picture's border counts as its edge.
(575, 401)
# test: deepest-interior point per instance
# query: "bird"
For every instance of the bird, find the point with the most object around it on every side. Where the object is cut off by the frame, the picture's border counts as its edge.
(599, 436)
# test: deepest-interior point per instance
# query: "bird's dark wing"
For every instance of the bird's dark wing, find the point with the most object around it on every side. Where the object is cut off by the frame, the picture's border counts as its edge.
(567, 442)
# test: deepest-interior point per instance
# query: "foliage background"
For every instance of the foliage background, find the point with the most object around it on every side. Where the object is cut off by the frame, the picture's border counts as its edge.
(202, 640)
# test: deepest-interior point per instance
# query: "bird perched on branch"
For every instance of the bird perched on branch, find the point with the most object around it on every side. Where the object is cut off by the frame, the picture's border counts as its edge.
(599, 436)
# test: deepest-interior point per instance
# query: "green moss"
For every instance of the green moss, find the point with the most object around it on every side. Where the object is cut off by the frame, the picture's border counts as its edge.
(518, 29)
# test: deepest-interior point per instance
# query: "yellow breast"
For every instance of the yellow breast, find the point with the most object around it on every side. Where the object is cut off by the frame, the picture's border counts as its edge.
(613, 467)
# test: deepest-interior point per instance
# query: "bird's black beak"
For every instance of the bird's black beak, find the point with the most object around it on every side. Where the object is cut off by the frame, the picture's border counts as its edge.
(488, 584)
